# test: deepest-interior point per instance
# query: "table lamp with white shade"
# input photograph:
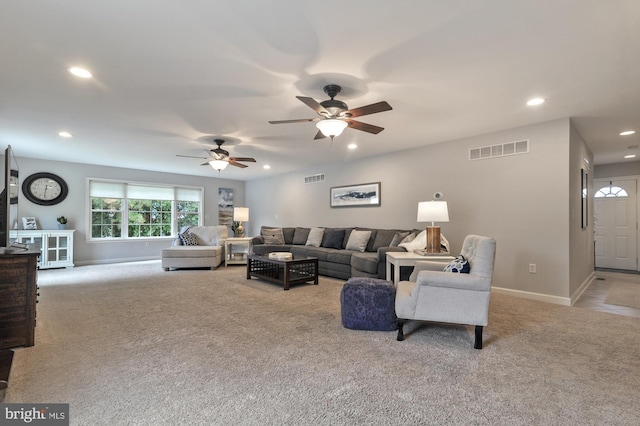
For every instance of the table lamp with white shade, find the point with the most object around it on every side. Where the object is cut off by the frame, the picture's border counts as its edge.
(433, 211)
(240, 214)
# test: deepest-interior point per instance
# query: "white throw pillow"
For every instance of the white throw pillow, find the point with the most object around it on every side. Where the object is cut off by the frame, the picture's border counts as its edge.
(358, 240)
(315, 237)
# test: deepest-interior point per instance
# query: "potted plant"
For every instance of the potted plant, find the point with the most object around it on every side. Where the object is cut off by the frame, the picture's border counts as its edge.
(62, 222)
(237, 229)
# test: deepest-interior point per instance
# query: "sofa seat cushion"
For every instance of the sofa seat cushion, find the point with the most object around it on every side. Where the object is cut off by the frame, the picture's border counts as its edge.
(342, 257)
(191, 251)
(366, 262)
(324, 254)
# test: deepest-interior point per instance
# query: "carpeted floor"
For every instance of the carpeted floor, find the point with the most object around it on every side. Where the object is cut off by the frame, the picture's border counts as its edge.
(132, 344)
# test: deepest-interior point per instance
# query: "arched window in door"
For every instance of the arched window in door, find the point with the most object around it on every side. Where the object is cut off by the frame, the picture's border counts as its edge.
(610, 191)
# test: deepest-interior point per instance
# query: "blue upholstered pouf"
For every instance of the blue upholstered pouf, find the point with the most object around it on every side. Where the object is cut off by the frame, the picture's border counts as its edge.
(368, 304)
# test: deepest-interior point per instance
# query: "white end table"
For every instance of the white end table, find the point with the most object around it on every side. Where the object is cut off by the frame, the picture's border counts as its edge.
(229, 255)
(403, 258)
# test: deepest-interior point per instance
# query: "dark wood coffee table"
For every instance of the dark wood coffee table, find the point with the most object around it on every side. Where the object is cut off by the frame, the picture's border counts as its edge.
(300, 269)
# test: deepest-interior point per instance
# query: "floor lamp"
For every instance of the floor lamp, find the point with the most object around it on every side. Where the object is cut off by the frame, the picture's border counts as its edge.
(433, 211)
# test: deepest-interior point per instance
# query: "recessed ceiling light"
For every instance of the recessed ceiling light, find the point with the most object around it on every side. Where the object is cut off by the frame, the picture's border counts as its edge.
(80, 72)
(266, 167)
(65, 135)
(630, 156)
(352, 146)
(627, 132)
(535, 101)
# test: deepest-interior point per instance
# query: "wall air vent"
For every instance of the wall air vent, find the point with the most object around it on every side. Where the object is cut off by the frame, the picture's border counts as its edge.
(500, 150)
(314, 178)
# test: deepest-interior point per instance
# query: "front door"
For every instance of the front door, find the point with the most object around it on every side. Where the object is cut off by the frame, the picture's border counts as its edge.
(615, 224)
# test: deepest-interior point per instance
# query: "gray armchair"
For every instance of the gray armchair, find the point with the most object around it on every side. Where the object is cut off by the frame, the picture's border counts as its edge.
(433, 295)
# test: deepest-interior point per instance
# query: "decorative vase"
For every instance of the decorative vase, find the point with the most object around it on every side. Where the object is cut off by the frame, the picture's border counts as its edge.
(62, 226)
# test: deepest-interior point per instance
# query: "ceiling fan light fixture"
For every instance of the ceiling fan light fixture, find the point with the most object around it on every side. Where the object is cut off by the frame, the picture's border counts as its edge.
(219, 164)
(331, 127)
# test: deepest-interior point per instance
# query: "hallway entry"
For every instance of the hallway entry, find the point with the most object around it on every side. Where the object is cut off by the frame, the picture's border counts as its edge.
(616, 223)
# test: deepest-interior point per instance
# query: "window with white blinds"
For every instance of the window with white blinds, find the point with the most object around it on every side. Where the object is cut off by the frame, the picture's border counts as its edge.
(122, 210)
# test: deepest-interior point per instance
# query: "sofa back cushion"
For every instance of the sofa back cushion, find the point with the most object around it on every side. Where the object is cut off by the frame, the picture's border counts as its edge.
(210, 235)
(300, 236)
(288, 235)
(382, 239)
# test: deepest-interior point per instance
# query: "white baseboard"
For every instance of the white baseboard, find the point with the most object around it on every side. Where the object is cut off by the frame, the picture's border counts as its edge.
(108, 261)
(557, 300)
(585, 285)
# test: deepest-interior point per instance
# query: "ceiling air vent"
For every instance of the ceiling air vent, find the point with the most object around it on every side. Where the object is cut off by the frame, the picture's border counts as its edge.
(500, 150)
(314, 178)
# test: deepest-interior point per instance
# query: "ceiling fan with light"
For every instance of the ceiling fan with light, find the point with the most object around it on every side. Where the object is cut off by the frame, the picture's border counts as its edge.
(335, 115)
(219, 158)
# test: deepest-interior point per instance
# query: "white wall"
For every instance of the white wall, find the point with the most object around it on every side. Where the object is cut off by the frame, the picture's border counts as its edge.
(75, 206)
(520, 200)
(581, 243)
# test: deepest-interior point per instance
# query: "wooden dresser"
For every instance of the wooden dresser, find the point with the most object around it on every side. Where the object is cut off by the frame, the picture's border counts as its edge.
(18, 297)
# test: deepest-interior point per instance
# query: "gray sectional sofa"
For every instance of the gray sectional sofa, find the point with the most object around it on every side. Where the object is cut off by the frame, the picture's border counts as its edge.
(334, 259)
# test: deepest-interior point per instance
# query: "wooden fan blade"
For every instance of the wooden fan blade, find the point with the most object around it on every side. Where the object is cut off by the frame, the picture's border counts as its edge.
(369, 109)
(188, 156)
(233, 163)
(301, 120)
(319, 135)
(314, 105)
(370, 128)
(249, 159)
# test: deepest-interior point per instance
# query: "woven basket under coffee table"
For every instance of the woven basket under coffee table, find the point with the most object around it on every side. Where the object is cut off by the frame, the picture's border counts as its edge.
(368, 304)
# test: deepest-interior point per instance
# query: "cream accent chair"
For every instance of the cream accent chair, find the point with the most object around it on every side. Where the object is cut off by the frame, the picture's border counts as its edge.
(434, 295)
(209, 253)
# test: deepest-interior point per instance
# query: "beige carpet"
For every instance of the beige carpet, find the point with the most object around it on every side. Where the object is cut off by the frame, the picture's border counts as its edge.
(624, 294)
(132, 344)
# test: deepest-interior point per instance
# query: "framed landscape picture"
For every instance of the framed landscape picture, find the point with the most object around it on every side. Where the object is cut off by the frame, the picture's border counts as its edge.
(361, 195)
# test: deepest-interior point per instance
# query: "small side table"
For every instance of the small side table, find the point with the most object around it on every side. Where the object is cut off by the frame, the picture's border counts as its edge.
(403, 258)
(231, 257)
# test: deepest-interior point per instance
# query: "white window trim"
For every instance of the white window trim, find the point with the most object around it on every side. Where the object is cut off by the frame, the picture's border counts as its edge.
(175, 187)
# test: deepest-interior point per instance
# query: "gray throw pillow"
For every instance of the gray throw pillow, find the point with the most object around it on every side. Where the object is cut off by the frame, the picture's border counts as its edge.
(300, 236)
(358, 240)
(397, 238)
(333, 239)
(273, 236)
(315, 237)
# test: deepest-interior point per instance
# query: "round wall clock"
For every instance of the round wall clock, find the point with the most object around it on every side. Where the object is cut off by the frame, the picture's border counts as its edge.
(45, 189)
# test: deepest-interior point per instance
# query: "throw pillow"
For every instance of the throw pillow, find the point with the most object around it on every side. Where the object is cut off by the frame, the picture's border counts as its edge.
(418, 243)
(300, 236)
(358, 240)
(397, 238)
(333, 239)
(315, 237)
(409, 238)
(273, 236)
(188, 239)
(460, 264)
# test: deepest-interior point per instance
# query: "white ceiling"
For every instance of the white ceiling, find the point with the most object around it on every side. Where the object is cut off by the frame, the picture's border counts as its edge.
(169, 75)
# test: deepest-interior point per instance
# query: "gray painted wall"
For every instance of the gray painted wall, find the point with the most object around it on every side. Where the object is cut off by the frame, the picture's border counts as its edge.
(75, 206)
(631, 168)
(520, 200)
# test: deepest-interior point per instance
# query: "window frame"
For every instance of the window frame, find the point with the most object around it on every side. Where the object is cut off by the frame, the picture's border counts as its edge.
(125, 209)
